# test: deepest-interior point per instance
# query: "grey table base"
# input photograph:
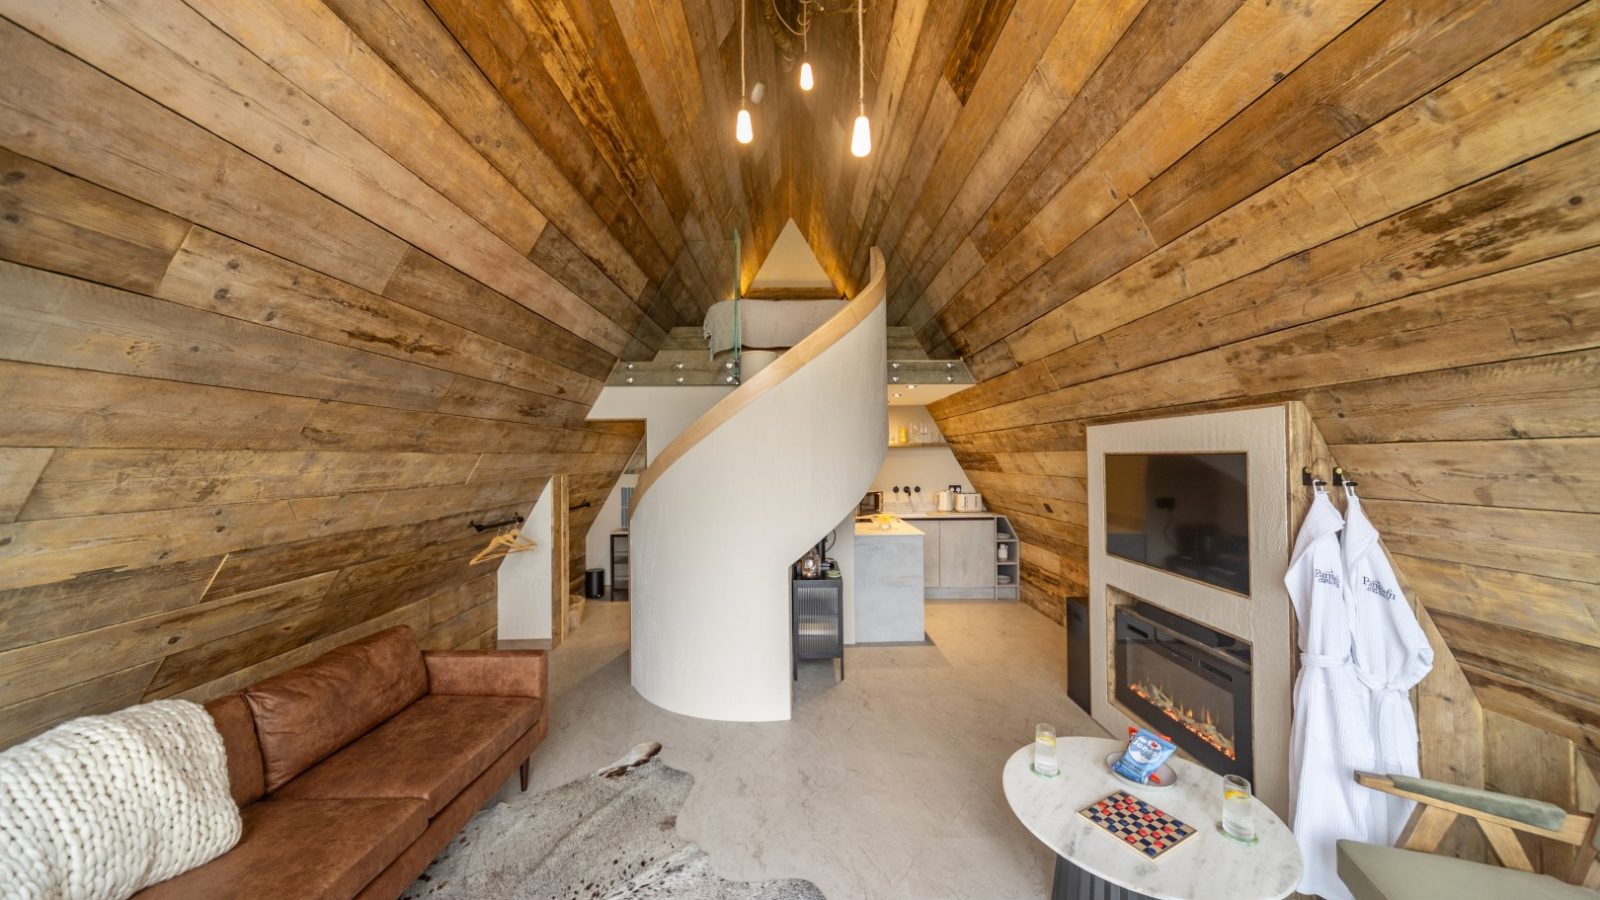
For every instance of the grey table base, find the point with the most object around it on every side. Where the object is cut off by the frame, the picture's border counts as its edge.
(1073, 883)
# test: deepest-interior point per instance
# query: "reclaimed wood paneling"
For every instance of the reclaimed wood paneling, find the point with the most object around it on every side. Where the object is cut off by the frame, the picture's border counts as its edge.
(292, 293)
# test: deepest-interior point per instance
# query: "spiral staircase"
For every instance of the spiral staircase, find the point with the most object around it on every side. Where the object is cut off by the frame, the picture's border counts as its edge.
(733, 500)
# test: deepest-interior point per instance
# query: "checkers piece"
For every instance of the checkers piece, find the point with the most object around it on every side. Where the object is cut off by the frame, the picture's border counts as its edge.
(1137, 824)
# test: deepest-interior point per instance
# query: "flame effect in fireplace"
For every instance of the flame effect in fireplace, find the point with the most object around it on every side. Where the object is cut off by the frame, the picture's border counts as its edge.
(1199, 724)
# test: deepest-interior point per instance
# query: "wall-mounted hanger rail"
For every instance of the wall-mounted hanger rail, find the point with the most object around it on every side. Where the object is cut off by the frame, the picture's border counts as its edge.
(488, 526)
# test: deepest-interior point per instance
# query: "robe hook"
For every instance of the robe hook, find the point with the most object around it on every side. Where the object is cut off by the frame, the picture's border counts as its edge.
(1309, 479)
(1340, 479)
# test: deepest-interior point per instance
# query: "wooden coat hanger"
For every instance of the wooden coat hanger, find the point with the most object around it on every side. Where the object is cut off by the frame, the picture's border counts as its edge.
(502, 545)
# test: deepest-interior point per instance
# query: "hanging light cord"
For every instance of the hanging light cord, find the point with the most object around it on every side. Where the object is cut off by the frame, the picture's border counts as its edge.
(861, 61)
(742, 5)
(805, 18)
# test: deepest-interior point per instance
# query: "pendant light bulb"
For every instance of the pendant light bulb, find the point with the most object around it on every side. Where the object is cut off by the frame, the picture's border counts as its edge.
(861, 138)
(742, 129)
(806, 81)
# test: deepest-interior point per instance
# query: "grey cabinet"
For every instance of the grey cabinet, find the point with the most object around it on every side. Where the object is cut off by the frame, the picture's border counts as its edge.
(966, 553)
(930, 551)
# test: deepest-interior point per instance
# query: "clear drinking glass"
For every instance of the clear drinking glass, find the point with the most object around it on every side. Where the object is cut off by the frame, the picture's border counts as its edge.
(1044, 750)
(1238, 818)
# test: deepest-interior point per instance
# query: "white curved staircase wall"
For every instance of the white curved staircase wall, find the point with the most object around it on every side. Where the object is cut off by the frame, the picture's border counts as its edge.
(713, 538)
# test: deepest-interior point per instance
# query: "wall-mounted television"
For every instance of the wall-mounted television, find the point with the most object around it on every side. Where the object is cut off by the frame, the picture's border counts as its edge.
(1185, 513)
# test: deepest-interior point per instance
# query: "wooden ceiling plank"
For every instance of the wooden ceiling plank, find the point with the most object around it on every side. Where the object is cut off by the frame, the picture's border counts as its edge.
(310, 46)
(556, 44)
(1567, 610)
(92, 482)
(179, 53)
(429, 286)
(118, 690)
(1539, 397)
(416, 44)
(58, 549)
(1557, 474)
(948, 260)
(682, 156)
(903, 126)
(989, 95)
(1158, 43)
(1553, 664)
(27, 672)
(1237, 63)
(19, 473)
(1520, 215)
(1544, 307)
(1556, 545)
(69, 241)
(92, 601)
(50, 220)
(1385, 61)
(497, 43)
(215, 273)
(60, 407)
(54, 320)
(1451, 137)
(103, 132)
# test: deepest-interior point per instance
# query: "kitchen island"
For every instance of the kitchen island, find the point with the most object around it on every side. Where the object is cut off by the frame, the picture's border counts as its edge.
(888, 582)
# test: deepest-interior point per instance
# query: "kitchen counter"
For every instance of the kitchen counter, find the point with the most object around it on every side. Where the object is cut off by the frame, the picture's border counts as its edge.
(935, 514)
(896, 529)
(888, 583)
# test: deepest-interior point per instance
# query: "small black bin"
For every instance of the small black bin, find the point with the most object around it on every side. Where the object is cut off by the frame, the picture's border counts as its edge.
(594, 584)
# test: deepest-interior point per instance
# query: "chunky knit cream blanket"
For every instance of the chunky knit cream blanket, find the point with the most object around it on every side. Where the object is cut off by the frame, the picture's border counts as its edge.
(103, 806)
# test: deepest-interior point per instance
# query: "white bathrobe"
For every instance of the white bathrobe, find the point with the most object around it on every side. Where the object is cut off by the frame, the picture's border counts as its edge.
(1391, 654)
(1332, 735)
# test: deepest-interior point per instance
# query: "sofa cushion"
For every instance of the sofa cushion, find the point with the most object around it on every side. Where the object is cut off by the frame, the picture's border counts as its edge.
(1372, 872)
(486, 673)
(246, 780)
(429, 752)
(303, 849)
(307, 713)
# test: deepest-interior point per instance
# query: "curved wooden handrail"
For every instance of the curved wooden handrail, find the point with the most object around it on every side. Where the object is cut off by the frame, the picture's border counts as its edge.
(807, 350)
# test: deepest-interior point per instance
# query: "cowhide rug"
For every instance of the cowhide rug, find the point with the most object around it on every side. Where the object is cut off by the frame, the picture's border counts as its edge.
(609, 836)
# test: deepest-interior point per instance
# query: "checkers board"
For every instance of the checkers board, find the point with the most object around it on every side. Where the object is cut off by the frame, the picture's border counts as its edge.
(1137, 824)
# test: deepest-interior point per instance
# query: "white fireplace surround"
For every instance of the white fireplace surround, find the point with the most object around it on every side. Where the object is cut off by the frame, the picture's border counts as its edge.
(1263, 618)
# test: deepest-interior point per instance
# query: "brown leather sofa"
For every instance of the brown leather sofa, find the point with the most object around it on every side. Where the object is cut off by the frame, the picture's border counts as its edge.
(353, 771)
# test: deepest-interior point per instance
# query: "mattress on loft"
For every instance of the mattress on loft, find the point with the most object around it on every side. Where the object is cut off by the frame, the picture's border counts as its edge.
(768, 324)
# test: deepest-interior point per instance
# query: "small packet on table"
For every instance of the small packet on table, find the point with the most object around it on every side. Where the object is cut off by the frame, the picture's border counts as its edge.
(1147, 752)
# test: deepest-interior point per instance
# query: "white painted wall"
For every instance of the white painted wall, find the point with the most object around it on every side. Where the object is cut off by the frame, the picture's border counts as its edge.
(523, 579)
(665, 411)
(934, 468)
(597, 543)
(711, 630)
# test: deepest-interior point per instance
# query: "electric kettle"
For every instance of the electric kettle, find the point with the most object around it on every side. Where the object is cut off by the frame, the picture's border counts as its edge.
(946, 501)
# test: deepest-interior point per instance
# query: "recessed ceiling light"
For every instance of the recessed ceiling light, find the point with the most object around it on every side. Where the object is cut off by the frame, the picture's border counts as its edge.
(897, 396)
(911, 387)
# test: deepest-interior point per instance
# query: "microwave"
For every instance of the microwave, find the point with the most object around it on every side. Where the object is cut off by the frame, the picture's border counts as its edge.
(871, 504)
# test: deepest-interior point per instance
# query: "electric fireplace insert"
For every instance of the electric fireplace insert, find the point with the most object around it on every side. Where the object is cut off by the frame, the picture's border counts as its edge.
(1189, 682)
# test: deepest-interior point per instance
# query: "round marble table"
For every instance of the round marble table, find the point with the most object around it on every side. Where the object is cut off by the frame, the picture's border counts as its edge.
(1090, 862)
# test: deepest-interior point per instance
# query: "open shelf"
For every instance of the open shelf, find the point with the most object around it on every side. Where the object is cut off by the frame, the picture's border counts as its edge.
(916, 446)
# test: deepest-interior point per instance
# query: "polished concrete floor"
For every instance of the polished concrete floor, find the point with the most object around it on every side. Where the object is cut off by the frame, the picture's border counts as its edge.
(885, 785)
